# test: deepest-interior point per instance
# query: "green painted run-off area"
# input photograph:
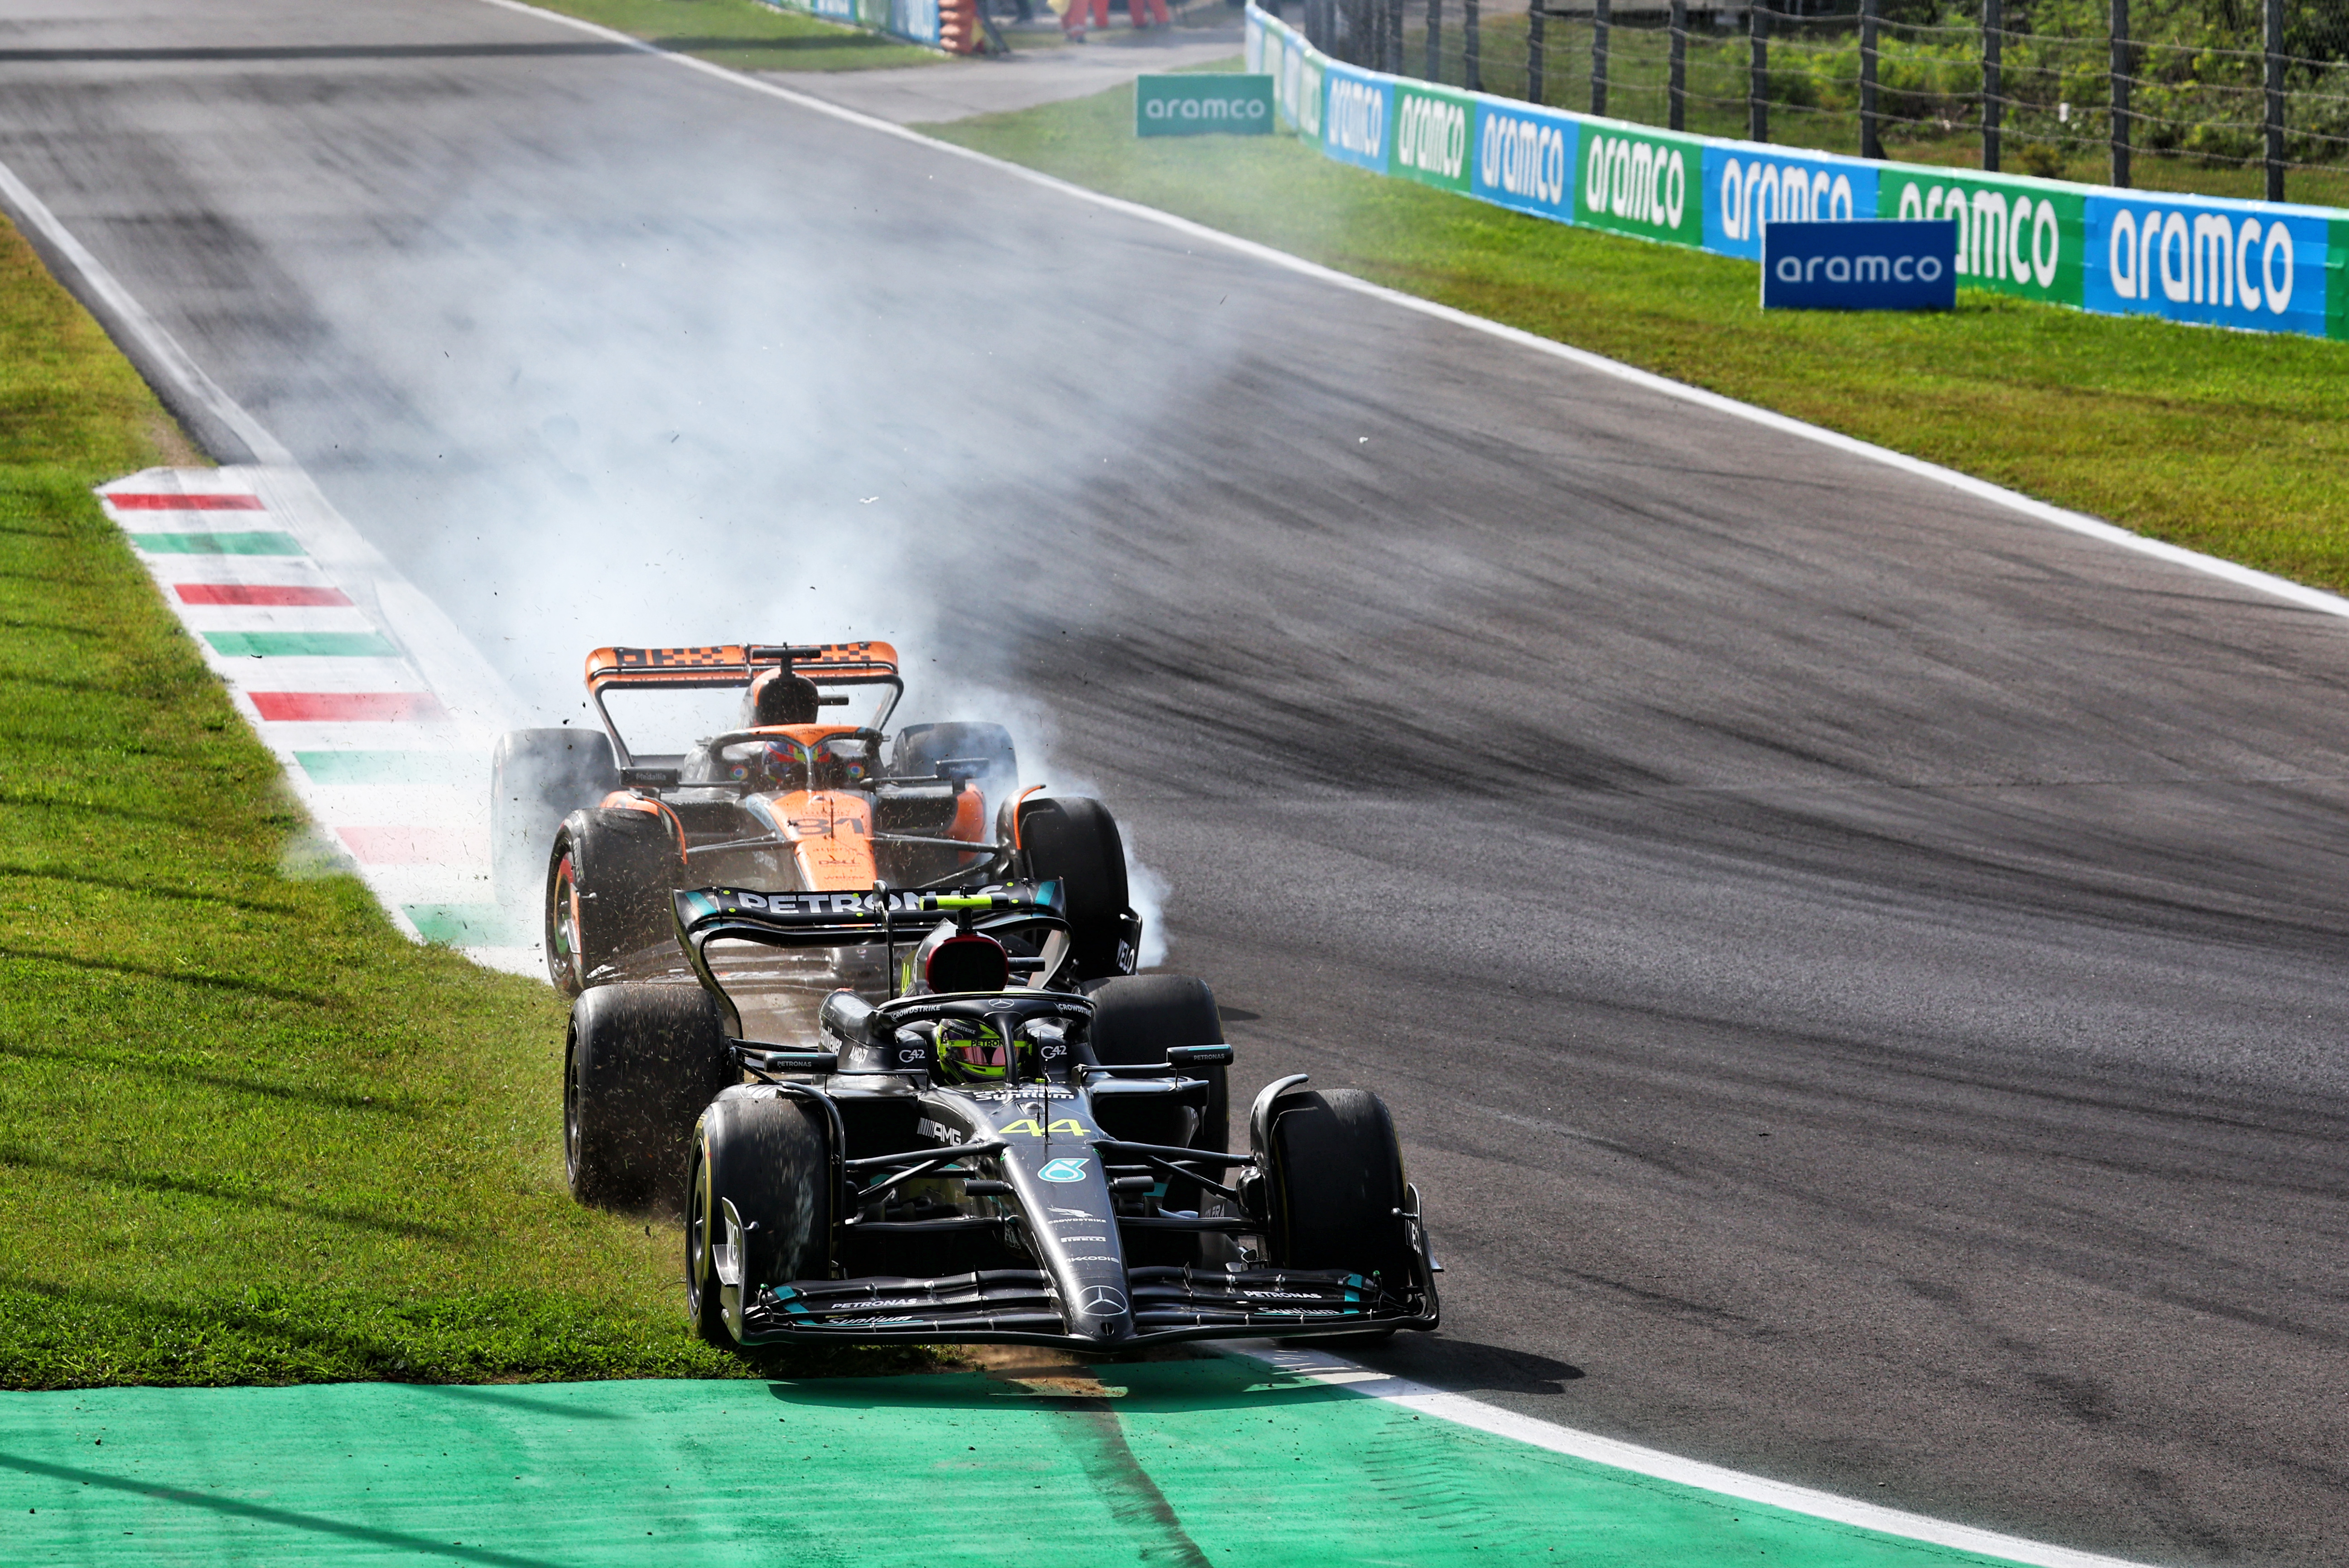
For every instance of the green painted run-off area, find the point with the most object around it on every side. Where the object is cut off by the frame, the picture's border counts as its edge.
(1219, 1460)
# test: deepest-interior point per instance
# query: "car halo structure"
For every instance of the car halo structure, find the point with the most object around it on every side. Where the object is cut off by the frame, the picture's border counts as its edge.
(600, 836)
(996, 1152)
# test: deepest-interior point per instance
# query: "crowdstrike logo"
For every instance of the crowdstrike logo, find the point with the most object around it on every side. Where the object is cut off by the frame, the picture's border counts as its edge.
(2206, 262)
(1431, 135)
(2019, 241)
(1358, 118)
(1766, 193)
(1523, 157)
(1636, 180)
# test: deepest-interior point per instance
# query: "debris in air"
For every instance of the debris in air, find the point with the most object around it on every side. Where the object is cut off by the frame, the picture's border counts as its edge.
(866, 499)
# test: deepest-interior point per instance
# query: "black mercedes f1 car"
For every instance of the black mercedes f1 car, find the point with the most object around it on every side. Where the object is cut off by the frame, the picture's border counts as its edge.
(997, 1152)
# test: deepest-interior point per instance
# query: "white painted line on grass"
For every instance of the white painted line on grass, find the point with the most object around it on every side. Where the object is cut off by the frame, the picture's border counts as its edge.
(2233, 572)
(1321, 1366)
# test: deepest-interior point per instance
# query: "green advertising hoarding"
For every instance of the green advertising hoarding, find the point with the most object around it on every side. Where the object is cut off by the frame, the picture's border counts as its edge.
(1634, 182)
(1435, 136)
(1203, 105)
(2016, 235)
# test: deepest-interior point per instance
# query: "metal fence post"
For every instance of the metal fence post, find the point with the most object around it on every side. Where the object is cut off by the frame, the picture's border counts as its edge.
(1601, 15)
(2274, 30)
(1758, 85)
(1871, 140)
(1534, 17)
(2120, 94)
(1676, 70)
(1993, 29)
(1434, 71)
(1471, 69)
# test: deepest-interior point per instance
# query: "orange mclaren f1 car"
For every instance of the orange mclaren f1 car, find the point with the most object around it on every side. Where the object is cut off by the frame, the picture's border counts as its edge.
(782, 801)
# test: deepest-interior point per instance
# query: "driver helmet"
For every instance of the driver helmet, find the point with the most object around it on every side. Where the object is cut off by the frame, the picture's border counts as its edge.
(972, 1052)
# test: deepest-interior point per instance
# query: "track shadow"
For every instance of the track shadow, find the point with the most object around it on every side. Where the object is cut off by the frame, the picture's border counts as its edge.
(131, 1062)
(1463, 1365)
(147, 890)
(285, 1518)
(142, 971)
(165, 1185)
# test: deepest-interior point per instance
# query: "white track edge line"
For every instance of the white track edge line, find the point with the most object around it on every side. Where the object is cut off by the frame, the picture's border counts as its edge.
(159, 345)
(1418, 1397)
(2233, 572)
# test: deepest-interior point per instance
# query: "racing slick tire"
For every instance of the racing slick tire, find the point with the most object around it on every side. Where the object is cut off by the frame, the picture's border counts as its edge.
(639, 1063)
(538, 777)
(1335, 1189)
(763, 1152)
(608, 882)
(1138, 1018)
(1075, 842)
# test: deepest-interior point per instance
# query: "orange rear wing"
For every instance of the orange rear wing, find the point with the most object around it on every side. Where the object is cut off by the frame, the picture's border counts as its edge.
(738, 663)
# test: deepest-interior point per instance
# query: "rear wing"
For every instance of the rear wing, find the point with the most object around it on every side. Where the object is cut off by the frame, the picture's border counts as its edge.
(1034, 912)
(736, 664)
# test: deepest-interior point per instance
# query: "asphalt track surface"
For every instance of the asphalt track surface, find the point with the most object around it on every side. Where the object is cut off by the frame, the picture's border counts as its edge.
(1857, 969)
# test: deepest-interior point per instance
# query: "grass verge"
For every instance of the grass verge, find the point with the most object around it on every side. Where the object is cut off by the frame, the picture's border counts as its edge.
(746, 35)
(2227, 442)
(247, 1132)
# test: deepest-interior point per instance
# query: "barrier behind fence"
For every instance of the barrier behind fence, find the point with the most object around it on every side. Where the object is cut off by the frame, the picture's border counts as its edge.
(2261, 266)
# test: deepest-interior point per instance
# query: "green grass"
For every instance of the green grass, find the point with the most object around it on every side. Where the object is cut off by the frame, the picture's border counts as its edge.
(747, 36)
(2227, 442)
(247, 1132)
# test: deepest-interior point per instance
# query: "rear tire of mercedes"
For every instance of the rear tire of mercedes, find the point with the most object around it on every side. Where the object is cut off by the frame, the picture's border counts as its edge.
(1075, 842)
(608, 882)
(640, 1063)
(764, 1152)
(1138, 1018)
(920, 748)
(538, 777)
(1336, 1191)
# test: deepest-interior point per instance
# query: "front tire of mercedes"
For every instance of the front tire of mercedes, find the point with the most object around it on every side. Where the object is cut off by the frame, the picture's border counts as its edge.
(1336, 1191)
(763, 1152)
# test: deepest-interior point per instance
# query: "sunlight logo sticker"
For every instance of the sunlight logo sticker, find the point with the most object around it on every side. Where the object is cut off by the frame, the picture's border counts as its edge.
(1064, 1170)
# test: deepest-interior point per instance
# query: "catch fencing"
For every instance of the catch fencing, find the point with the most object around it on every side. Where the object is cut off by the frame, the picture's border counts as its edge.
(2218, 96)
(2256, 265)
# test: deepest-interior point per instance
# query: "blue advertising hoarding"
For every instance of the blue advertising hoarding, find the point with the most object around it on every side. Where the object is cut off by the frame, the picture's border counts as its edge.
(1356, 116)
(1748, 187)
(1875, 264)
(2224, 264)
(1526, 159)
